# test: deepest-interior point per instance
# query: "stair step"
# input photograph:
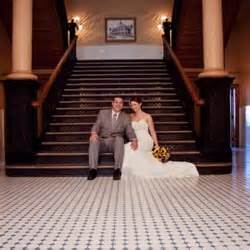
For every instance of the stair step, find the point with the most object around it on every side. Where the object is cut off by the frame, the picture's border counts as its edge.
(86, 126)
(48, 166)
(65, 143)
(120, 67)
(107, 102)
(84, 136)
(80, 169)
(104, 159)
(80, 123)
(118, 89)
(88, 132)
(134, 84)
(67, 133)
(62, 154)
(83, 146)
(119, 79)
(121, 94)
(71, 157)
(118, 75)
(87, 142)
(125, 107)
(190, 152)
(157, 99)
(171, 106)
(91, 123)
(97, 70)
(83, 100)
(91, 116)
(82, 112)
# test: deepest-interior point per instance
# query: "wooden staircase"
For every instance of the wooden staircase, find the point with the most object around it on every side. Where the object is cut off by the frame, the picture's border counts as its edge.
(90, 87)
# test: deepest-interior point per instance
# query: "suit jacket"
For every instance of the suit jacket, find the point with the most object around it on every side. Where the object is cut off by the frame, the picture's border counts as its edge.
(103, 125)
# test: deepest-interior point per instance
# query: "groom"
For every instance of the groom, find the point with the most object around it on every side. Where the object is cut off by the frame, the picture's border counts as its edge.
(107, 136)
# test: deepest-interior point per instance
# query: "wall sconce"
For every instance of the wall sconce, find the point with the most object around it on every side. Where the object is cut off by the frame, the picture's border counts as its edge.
(163, 18)
(80, 27)
(76, 19)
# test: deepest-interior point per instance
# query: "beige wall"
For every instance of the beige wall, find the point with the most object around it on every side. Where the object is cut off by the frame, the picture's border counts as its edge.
(93, 13)
(237, 57)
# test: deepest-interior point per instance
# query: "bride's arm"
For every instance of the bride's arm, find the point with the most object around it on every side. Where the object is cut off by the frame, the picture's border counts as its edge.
(151, 127)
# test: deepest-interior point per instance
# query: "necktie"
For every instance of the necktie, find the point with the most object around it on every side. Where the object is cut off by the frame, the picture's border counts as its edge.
(114, 118)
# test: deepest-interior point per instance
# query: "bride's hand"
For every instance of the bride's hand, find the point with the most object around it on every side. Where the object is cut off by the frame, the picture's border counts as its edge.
(134, 144)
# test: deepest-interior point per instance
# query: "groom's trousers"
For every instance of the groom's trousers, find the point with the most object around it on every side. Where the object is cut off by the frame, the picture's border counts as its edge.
(106, 145)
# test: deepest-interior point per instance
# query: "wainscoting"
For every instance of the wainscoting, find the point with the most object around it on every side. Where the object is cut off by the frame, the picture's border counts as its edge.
(120, 51)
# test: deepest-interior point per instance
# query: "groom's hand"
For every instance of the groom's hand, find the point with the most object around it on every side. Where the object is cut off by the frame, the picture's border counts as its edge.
(134, 144)
(93, 136)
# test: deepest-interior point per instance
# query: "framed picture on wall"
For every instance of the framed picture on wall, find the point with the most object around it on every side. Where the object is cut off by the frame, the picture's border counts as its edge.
(120, 29)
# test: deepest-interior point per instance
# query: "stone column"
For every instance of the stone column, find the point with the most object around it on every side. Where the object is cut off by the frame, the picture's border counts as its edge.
(21, 89)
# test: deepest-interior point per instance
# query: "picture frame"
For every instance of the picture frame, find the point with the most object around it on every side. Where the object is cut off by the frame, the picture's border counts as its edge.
(120, 29)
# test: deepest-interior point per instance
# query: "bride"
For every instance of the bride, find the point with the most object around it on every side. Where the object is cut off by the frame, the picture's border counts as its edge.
(141, 162)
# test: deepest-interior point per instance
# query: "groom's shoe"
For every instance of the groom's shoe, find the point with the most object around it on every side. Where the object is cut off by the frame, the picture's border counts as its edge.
(117, 174)
(92, 174)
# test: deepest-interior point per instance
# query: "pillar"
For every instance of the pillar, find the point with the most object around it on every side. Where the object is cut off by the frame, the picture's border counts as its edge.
(213, 50)
(214, 84)
(21, 89)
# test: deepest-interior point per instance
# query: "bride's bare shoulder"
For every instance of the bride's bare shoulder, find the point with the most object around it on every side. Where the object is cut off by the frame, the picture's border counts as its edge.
(147, 116)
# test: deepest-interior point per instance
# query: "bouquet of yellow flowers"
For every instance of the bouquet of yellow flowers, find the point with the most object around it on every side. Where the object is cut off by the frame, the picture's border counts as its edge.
(161, 153)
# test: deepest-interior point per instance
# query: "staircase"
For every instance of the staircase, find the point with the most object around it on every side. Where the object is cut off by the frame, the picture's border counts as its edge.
(91, 87)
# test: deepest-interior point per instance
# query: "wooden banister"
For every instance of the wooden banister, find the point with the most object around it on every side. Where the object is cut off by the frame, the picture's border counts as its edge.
(188, 82)
(47, 86)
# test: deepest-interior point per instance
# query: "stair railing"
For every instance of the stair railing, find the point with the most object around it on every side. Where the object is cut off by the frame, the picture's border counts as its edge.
(186, 88)
(49, 93)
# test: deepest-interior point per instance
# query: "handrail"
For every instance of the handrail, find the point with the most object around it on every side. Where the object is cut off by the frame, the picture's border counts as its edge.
(188, 82)
(47, 86)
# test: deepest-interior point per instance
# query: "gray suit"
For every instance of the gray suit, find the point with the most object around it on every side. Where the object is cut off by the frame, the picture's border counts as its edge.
(111, 138)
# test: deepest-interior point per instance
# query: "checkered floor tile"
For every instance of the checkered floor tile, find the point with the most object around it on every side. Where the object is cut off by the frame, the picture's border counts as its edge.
(209, 212)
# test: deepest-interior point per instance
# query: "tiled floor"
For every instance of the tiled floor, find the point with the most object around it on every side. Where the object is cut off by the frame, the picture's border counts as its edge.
(209, 212)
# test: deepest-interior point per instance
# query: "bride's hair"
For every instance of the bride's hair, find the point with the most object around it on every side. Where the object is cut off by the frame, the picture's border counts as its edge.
(135, 99)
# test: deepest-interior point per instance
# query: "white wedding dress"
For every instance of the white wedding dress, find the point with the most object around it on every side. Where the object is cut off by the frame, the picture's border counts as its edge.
(141, 162)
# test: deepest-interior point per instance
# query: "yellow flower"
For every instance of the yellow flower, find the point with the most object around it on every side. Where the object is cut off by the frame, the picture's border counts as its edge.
(161, 153)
